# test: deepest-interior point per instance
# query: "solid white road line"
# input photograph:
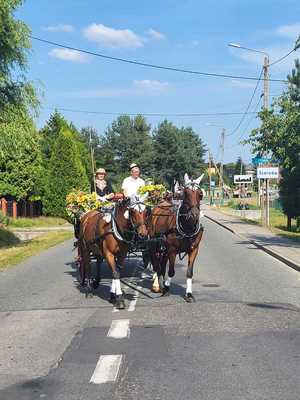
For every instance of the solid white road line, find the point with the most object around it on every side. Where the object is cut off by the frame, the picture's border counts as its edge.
(132, 304)
(119, 329)
(107, 369)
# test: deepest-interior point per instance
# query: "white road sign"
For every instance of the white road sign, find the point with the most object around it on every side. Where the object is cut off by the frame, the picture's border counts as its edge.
(243, 179)
(267, 172)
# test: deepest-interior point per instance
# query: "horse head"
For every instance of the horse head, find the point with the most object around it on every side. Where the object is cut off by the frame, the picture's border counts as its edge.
(192, 195)
(137, 215)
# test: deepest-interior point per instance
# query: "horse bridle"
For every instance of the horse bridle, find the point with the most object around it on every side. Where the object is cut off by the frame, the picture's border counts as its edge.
(189, 214)
(132, 206)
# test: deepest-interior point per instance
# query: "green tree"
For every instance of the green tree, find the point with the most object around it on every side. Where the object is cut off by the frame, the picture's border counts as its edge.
(290, 194)
(229, 172)
(239, 167)
(176, 152)
(66, 172)
(14, 48)
(20, 157)
(127, 140)
(50, 132)
(278, 136)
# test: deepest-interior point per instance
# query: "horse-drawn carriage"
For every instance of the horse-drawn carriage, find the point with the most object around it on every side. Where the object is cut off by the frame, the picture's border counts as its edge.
(160, 229)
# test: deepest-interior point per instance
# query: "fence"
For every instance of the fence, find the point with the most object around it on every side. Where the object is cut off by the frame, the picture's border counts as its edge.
(22, 208)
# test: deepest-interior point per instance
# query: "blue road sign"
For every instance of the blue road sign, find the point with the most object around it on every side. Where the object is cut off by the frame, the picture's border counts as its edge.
(260, 160)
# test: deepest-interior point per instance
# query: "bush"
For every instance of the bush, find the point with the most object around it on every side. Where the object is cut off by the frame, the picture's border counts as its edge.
(4, 220)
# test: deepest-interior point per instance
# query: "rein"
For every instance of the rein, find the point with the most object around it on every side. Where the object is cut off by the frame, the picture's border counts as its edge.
(117, 232)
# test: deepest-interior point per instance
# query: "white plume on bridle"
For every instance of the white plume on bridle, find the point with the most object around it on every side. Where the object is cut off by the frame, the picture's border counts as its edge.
(194, 184)
(136, 203)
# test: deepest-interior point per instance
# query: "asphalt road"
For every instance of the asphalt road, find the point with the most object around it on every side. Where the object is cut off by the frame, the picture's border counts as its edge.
(240, 340)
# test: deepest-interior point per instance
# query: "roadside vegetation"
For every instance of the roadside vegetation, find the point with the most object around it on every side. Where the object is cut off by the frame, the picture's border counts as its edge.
(40, 222)
(277, 218)
(12, 251)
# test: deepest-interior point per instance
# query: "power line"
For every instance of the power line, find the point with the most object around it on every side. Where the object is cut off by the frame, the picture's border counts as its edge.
(149, 114)
(247, 108)
(124, 60)
(282, 58)
(247, 126)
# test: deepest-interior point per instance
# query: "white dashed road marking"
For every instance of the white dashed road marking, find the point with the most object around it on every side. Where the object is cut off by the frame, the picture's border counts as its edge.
(107, 369)
(119, 329)
(132, 304)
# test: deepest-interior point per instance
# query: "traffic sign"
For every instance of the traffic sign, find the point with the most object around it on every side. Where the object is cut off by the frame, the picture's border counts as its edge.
(242, 179)
(260, 160)
(267, 172)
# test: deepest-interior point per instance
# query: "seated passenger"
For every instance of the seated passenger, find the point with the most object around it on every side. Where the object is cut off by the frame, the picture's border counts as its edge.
(103, 188)
(132, 183)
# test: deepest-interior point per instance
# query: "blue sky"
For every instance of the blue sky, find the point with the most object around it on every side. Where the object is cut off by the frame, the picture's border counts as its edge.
(189, 34)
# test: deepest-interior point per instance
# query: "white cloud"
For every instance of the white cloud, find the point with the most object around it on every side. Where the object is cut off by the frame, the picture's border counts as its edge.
(137, 88)
(113, 38)
(153, 85)
(155, 34)
(69, 55)
(59, 28)
(195, 43)
(289, 31)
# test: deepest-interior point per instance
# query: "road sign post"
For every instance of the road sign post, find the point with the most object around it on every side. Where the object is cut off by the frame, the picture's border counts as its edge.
(267, 173)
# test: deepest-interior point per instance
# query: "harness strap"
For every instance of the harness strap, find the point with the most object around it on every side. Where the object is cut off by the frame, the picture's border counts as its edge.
(115, 230)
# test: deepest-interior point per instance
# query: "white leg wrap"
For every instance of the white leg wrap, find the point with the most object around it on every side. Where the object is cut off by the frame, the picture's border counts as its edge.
(155, 280)
(118, 287)
(189, 285)
(168, 281)
(113, 287)
(161, 281)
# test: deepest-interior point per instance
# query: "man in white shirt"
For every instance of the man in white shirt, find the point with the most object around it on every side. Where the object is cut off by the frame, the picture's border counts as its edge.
(131, 184)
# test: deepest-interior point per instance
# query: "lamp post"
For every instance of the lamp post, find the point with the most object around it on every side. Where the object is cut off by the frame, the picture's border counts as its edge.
(266, 65)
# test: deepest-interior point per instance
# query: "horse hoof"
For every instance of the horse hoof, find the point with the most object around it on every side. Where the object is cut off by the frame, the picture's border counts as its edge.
(165, 291)
(155, 289)
(189, 298)
(112, 298)
(95, 283)
(120, 304)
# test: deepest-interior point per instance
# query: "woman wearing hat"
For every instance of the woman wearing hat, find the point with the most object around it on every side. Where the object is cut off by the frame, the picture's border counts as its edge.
(103, 187)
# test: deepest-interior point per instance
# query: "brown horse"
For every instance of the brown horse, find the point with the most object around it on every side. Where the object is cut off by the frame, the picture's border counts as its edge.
(110, 239)
(180, 232)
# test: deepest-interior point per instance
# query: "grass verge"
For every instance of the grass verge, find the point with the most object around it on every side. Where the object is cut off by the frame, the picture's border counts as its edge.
(40, 222)
(7, 238)
(16, 253)
(277, 223)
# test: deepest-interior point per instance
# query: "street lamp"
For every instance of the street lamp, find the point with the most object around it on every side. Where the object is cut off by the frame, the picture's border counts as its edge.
(265, 68)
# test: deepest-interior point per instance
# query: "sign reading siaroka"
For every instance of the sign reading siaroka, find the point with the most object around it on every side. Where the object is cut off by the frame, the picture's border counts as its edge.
(267, 172)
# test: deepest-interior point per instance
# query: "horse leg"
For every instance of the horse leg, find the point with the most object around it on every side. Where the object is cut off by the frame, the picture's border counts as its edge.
(82, 262)
(154, 256)
(188, 297)
(171, 273)
(96, 280)
(88, 273)
(116, 294)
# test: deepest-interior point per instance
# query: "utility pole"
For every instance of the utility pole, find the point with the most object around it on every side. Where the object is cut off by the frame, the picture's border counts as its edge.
(266, 106)
(221, 162)
(209, 175)
(92, 161)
